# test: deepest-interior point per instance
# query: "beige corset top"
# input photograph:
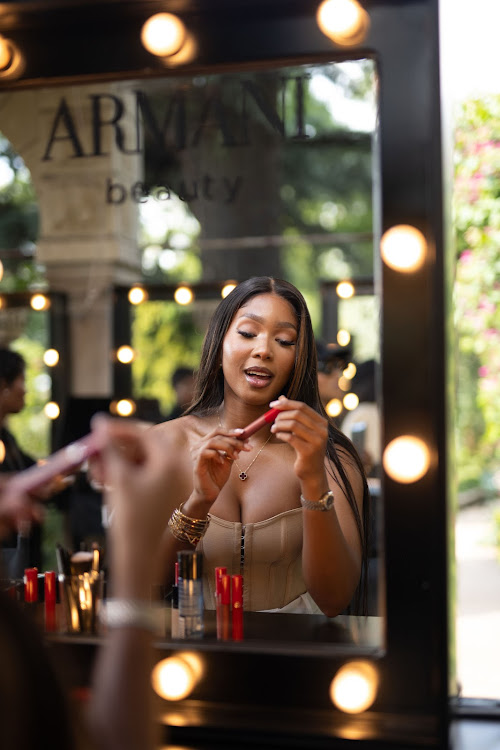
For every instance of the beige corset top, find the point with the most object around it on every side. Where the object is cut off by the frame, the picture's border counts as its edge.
(267, 553)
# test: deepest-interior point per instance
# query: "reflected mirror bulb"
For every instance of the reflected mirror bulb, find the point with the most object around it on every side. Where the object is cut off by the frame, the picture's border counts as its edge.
(406, 459)
(51, 357)
(183, 295)
(334, 407)
(343, 337)
(228, 288)
(351, 401)
(125, 355)
(345, 289)
(354, 687)
(163, 34)
(51, 410)
(2, 451)
(403, 248)
(39, 302)
(137, 295)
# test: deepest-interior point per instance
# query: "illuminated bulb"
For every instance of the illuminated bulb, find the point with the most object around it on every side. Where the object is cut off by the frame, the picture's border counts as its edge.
(12, 62)
(3, 303)
(2, 451)
(403, 248)
(183, 295)
(185, 55)
(354, 687)
(51, 410)
(40, 302)
(5, 53)
(406, 459)
(343, 337)
(173, 678)
(350, 371)
(344, 383)
(350, 401)
(137, 295)
(51, 357)
(1, 270)
(345, 290)
(125, 407)
(125, 355)
(163, 34)
(345, 22)
(334, 407)
(227, 289)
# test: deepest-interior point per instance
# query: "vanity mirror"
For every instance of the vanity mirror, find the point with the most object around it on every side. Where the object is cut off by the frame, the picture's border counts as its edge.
(244, 56)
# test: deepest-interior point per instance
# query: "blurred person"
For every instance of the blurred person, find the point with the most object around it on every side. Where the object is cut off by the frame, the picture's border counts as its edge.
(35, 711)
(183, 380)
(365, 418)
(332, 361)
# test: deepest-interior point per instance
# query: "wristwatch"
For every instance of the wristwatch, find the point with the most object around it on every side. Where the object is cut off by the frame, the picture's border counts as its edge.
(324, 503)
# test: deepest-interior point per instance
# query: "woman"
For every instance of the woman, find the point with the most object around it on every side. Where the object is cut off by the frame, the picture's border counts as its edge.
(255, 505)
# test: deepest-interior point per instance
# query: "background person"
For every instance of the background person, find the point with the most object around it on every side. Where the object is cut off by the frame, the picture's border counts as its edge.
(256, 505)
(183, 380)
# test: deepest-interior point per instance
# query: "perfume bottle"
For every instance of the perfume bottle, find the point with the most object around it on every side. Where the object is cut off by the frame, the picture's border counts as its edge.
(190, 587)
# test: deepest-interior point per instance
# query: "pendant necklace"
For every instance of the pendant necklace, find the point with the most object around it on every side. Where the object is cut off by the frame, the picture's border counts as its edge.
(243, 473)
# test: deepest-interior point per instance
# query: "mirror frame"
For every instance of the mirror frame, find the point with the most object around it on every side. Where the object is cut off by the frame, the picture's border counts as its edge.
(290, 693)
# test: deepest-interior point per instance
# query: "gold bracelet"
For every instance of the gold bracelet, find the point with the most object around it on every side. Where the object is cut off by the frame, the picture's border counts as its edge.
(187, 529)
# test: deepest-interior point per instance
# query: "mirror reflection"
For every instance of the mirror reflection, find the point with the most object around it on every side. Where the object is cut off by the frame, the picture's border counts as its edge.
(199, 183)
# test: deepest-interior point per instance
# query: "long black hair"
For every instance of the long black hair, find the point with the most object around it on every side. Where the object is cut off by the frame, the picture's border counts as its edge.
(302, 386)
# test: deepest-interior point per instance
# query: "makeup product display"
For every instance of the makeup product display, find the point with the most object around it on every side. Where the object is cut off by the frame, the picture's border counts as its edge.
(190, 583)
(258, 424)
(174, 626)
(237, 607)
(31, 585)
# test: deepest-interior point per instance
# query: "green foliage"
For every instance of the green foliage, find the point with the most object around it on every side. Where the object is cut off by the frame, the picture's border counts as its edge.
(477, 288)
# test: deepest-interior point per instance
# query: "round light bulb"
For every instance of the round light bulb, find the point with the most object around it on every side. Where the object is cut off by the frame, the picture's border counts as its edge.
(39, 302)
(173, 678)
(163, 34)
(2, 451)
(354, 687)
(345, 289)
(345, 22)
(350, 371)
(351, 401)
(51, 357)
(403, 248)
(343, 337)
(51, 410)
(125, 355)
(183, 295)
(406, 459)
(137, 295)
(125, 407)
(334, 407)
(228, 288)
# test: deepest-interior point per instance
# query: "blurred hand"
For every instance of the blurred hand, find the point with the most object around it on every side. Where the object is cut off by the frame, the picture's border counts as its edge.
(17, 510)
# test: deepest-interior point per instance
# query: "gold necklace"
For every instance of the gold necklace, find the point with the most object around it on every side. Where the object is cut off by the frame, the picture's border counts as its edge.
(243, 473)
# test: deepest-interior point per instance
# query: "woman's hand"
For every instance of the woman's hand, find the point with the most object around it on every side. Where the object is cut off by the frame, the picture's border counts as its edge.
(306, 431)
(212, 458)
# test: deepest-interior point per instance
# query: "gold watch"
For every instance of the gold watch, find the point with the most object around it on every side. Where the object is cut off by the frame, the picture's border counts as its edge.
(324, 503)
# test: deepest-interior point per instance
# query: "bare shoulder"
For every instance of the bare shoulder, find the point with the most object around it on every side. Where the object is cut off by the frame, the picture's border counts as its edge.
(178, 435)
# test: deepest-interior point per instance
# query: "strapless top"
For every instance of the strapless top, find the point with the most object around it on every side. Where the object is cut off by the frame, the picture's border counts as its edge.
(269, 556)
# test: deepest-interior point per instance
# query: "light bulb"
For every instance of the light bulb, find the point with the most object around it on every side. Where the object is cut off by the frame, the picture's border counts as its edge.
(406, 459)
(403, 248)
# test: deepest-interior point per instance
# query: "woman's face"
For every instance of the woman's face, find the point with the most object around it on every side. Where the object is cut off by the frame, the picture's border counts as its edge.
(258, 351)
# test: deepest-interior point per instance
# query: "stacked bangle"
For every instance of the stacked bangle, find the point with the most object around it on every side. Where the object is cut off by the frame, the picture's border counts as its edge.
(187, 529)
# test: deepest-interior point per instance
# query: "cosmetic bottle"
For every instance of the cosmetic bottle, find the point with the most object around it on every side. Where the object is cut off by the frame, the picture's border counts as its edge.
(174, 627)
(219, 572)
(237, 607)
(190, 585)
(31, 585)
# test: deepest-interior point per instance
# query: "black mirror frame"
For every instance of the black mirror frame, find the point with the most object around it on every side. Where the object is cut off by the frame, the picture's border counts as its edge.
(289, 694)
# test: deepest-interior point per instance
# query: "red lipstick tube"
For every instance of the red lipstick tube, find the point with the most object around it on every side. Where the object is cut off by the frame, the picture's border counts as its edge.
(31, 585)
(219, 572)
(50, 600)
(237, 607)
(267, 418)
(225, 605)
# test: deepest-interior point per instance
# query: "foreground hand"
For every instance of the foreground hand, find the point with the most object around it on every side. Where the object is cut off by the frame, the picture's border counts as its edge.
(17, 510)
(306, 431)
(213, 457)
